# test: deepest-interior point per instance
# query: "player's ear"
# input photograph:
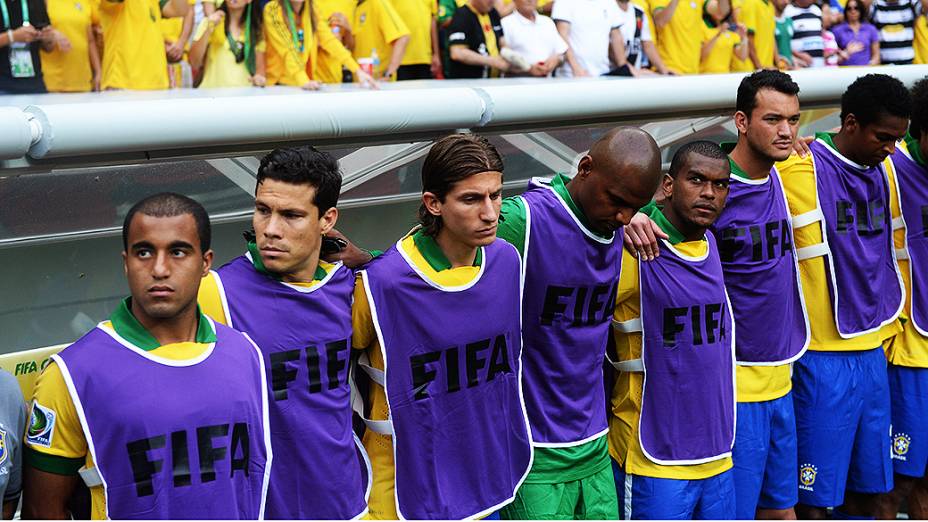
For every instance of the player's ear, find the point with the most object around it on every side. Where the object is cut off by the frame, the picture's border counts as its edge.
(741, 121)
(327, 220)
(432, 203)
(207, 261)
(667, 186)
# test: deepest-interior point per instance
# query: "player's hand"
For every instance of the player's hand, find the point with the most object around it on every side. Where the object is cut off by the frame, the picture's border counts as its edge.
(365, 80)
(580, 72)
(174, 51)
(854, 47)
(259, 80)
(311, 85)
(801, 147)
(435, 67)
(351, 256)
(498, 63)
(538, 69)
(641, 236)
(27, 34)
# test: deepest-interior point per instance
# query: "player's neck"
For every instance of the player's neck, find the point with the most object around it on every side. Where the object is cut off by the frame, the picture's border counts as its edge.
(689, 231)
(753, 164)
(845, 147)
(305, 274)
(458, 253)
(181, 328)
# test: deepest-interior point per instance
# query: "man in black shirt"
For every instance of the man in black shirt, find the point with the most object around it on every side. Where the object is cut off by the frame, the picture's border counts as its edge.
(475, 38)
(24, 28)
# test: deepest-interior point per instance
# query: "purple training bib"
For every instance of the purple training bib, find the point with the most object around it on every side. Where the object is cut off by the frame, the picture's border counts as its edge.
(688, 398)
(865, 285)
(452, 371)
(305, 337)
(761, 272)
(173, 439)
(912, 182)
(571, 278)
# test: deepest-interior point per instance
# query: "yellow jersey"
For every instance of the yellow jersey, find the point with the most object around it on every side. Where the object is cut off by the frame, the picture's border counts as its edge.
(329, 69)
(908, 348)
(418, 16)
(70, 71)
(722, 54)
(171, 28)
(624, 445)
(679, 41)
(220, 68)
(745, 13)
(290, 62)
(765, 28)
(133, 54)
(798, 177)
(376, 26)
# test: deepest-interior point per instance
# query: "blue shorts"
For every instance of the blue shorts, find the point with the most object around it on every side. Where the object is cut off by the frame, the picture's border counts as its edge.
(842, 421)
(765, 456)
(649, 498)
(908, 388)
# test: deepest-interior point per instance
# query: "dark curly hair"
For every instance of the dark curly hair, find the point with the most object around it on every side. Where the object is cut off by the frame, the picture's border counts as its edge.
(305, 166)
(919, 122)
(706, 149)
(873, 96)
(451, 159)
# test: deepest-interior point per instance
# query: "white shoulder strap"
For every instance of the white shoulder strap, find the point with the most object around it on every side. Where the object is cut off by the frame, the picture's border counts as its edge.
(898, 223)
(383, 427)
(807, 218)
(90, 476)
(631, 365)
(630, 326)
(811, 251)
(902, 253)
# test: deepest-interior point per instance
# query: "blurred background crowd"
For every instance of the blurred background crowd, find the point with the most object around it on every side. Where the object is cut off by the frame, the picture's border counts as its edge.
(92, 45)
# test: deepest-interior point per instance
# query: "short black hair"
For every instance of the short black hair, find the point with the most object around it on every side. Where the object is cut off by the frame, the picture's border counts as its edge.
(875, 95)
(919, 122)
(766, 79)
(305, 166)
(704, 148)
(170, 204)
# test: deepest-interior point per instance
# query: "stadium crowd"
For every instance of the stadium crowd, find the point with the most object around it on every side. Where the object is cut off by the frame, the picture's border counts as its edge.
(85, 45)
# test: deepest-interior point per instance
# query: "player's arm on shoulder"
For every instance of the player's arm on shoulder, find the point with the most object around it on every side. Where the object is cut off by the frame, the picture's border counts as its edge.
(513, 223)
(55, 449)
(210, 298)
(362, 321)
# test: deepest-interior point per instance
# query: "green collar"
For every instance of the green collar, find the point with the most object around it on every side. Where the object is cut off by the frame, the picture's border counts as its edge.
(559, 184)
(915, 149)
(130, 329)
(259, 265)
(432, 253)
(736, 171)
(827, 137)
(654, 212)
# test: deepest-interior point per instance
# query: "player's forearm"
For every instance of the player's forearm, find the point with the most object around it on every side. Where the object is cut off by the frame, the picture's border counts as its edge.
(462, 54)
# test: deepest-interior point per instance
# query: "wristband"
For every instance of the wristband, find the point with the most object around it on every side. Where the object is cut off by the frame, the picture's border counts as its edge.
(9, 34)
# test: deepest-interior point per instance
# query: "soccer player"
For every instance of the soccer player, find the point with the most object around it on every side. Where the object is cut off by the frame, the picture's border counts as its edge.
(440, 315)
(672, 422)
(839, 199)
(908, 351)
(762, 276)
(565, 230)
(298, 309)
(159, 410)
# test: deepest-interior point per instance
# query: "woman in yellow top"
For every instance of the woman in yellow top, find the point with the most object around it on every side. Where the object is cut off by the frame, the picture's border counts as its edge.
(229, 46)
(721, 47)
(76, 69)
(294, 39)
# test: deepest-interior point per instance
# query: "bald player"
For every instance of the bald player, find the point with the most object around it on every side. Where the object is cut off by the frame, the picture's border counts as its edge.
(566, 232)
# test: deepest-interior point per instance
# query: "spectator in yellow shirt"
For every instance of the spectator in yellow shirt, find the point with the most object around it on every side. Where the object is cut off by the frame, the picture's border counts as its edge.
(379, 33)
(229, 47)
(422, 60)
(133, 45)
(338, 15)
(77, 69)
(679, 26)
(721, 47)
(176, 33)
(294, 40)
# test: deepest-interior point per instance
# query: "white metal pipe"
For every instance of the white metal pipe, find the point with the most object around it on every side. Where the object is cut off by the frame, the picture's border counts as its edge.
(169, 126)
(125, 126)
(15, 133)
(660, 95)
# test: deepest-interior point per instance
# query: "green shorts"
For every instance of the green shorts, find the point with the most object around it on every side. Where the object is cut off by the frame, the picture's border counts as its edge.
(589, 496)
